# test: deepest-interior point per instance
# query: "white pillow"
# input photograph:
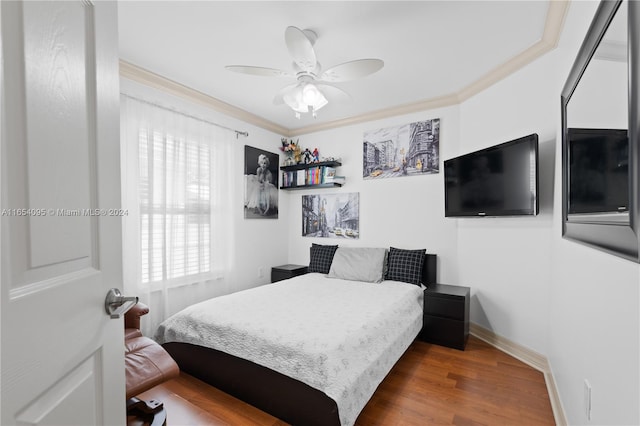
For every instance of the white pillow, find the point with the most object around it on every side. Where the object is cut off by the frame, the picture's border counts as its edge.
(359, 264)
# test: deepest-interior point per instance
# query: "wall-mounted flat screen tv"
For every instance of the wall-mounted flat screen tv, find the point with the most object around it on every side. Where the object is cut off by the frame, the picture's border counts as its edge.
(598, 171)
(498, 181)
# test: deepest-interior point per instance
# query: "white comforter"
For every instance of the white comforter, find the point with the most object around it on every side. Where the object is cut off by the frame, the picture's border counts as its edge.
(341, 337)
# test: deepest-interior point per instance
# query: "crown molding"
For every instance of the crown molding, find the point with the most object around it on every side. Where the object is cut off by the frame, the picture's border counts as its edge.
(424, 105)
(556, 15)
(552, 30)
(554, 23)
(156, 81)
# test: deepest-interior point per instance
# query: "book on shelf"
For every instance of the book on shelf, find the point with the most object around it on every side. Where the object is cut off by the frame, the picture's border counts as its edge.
(328, 174)
(317, 175)
(288, 179)
(300, 177)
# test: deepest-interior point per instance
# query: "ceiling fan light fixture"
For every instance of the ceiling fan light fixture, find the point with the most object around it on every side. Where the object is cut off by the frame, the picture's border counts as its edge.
(310, 94)
(294, 100)
(305, 98)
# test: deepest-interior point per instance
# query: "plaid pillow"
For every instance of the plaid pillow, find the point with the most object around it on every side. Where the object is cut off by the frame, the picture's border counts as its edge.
(321, 257)
(405, 265)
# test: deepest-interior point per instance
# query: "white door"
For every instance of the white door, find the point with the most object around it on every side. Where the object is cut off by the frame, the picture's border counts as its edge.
(62, 357)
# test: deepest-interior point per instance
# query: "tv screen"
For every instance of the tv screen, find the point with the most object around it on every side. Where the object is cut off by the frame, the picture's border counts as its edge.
(598, 171)
(498, 181)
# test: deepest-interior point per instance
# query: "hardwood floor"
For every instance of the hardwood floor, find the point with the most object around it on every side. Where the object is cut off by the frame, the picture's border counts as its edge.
(429, 385)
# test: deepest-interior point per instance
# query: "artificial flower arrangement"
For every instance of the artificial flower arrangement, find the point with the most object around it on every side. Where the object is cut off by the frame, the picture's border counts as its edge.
(292, 150)
(295, 154)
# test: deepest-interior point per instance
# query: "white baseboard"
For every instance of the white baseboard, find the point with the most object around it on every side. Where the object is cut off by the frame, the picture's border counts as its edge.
(529, 357)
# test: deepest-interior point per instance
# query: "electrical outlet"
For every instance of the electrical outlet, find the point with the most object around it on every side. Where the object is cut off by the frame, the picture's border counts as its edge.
(260, 272)
(587, 399)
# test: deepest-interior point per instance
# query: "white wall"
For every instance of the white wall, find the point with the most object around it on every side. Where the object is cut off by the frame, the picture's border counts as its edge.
(506, 261)
(405, 212)
(594, 304)
(576, 305)
(258, 243)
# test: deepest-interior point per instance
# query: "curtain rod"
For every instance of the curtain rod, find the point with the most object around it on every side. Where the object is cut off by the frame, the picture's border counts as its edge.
(238, 132)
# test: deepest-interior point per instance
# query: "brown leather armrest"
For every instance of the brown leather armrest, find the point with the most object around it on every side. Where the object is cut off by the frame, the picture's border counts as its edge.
(147, 364)
(132, 318)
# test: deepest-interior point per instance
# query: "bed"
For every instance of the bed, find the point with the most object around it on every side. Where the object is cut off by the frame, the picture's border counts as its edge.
(311, 350)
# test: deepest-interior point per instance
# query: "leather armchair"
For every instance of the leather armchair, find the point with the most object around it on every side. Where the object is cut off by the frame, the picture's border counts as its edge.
(147, 364)
(132, 320)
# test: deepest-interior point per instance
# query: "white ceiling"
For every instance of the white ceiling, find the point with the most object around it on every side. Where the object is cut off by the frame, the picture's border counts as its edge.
(430, 48)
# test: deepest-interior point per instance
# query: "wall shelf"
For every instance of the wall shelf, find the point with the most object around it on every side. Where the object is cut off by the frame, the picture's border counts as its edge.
(316, 186)
(314, 175)
(310, 165)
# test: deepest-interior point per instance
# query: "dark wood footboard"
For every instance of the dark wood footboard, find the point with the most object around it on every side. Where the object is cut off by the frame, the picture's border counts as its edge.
(281, 396)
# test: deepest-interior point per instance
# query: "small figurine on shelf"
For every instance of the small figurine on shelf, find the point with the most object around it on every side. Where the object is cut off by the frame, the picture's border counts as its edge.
(315, 156)
(307, 156)
(297, 153)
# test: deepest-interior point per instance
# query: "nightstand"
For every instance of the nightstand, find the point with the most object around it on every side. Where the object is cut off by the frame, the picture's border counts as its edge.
(282, 272)
(446, 315)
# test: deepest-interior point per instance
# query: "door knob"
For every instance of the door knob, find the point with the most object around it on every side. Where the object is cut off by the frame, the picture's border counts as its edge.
(117, 305)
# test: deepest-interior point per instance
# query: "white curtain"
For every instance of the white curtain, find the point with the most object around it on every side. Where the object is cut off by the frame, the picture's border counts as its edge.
(176, 188)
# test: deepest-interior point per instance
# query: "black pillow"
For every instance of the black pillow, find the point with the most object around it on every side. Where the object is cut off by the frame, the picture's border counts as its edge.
(405, 265)
(321, 257)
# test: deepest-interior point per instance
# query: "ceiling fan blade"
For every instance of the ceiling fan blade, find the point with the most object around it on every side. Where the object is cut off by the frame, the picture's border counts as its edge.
(279, 97)
(352, 70)
(333, 93)
(300, 48)
(261, 71)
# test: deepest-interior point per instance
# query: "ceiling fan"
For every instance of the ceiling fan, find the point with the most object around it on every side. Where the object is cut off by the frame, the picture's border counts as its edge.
(313, 87)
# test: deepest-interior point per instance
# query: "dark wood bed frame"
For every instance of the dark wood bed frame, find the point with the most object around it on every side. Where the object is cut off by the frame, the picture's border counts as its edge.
(277, 394)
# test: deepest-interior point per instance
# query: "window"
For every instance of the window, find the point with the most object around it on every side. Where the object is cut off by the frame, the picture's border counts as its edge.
(175, 209)
(177, 188)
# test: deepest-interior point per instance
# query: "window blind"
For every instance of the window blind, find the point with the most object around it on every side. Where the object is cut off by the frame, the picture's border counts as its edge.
(175, 206)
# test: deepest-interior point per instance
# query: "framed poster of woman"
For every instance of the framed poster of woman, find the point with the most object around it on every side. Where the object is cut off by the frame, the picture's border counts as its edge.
(261, 184)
